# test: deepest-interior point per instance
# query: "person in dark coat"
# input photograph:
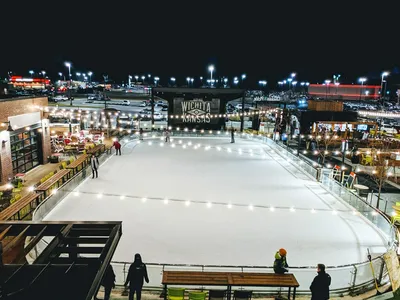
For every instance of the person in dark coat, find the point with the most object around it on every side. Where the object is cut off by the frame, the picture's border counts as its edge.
(94, 163)
(280, 263)
(136, 275)
(108, 282)
(232, 135)
(320, 285)
(141, 134)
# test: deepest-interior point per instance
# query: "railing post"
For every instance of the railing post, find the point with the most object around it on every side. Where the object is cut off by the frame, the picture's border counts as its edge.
(353, 281)
(380, 276)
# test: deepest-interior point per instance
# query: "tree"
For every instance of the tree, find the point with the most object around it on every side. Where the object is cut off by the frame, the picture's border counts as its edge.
(324, 141)
(381, 167)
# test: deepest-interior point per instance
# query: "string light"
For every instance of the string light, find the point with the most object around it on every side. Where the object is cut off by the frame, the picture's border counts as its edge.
(166, 201)
(122, 197)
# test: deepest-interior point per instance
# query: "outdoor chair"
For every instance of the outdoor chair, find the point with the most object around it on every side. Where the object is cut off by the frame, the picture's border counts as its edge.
(349, 180)
(176, 294)
(242, 295)
(366, 160)
(217, 294)
(197, 295)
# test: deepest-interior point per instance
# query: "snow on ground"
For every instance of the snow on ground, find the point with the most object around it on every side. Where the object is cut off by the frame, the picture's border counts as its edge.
(198, 232)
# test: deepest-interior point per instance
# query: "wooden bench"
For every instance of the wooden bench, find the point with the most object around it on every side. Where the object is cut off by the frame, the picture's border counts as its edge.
(80, 162)
(62, 175)
(13, 212)
(229, 279)
(96, 150)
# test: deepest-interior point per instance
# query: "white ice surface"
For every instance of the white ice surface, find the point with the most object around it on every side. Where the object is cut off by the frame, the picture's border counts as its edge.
(197, 234)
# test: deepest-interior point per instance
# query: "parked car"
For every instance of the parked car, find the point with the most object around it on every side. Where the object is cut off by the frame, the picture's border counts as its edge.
(60, 98)
(390, 130)
(126, 102)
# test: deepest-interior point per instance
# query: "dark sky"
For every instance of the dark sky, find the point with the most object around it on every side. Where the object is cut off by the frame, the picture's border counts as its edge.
(264, 39)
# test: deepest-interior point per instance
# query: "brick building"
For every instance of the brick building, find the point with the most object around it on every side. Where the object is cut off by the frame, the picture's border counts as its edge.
(24, 136)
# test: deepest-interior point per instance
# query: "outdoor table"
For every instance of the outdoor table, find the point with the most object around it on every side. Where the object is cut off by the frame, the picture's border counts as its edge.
(60, 175)
(81, 161)
(13, 211)
(96, 149)
(362, 189)
(229, 279)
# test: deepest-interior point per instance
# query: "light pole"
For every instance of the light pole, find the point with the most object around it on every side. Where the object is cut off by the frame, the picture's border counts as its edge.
(384, 74)
(289, 80)
(90, 76)
(143, 78)
(293, 75)
(294, 83)
(129, 80)
(243, 78)
(68, 65)
(211, 69)
(173, 81)
(136, 78)
(156, 79)
(191, 81)
(362, 80)
(327, 82)
(225, 81)
(337, 86)
(31, 72)
(188, 80)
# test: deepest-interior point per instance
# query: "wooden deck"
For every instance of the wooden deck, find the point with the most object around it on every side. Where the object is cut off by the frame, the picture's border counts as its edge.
(53, 180)
(16, 207)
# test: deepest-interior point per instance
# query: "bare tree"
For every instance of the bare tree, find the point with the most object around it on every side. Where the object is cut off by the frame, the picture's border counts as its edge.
(380, 167)
(324, 141)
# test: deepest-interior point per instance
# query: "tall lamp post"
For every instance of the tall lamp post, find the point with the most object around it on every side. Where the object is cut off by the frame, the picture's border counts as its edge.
(90, 76)
(289, 80)
(172, 81)
(362, 80)
(188, 80)
(68, 65)
(31, 72)
(384, 74)
(211, 69)
(327, 82)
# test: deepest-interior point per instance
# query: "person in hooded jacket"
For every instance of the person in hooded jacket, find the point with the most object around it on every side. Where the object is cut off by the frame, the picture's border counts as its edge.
(280, 263)
(136, 275)
(108, 282)
(320, 285)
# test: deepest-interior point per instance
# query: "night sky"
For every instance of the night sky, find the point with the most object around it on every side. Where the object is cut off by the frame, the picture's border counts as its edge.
(266, 41)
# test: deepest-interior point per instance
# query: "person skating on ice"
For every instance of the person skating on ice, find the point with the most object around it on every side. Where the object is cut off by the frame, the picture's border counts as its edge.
(280, 263)
(136, 275)
(141, 134)
(94, 163)
(167, 134)
(117, 146)
(232, 135)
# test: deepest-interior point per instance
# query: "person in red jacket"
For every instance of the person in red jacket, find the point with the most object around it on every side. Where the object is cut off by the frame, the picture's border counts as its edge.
(117, 146)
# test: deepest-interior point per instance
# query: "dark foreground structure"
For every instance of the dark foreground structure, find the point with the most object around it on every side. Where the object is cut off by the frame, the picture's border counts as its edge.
(71, 265)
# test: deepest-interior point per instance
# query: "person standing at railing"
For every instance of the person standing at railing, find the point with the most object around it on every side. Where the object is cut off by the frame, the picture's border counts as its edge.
(280, 263)
(320, 285)
(136, 275)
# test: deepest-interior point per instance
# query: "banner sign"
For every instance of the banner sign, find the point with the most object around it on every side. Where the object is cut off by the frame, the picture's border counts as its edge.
(196, 110)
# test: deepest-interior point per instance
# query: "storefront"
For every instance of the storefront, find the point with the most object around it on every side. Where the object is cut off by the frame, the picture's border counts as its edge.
(19, 82)
(26, 150)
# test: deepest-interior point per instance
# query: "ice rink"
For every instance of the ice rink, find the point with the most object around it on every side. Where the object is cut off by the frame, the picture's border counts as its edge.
(228, 204)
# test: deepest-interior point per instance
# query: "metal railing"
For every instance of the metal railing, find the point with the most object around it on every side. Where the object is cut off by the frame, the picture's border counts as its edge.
(347, 279)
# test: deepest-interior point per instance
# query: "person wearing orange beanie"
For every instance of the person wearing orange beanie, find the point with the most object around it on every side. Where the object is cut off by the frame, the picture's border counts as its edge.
(280, 263)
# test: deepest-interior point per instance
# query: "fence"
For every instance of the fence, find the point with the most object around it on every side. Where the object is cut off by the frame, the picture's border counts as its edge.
(346, 279)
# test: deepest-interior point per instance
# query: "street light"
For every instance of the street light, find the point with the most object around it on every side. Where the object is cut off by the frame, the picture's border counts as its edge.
(60, 74)
(337, 86)
(289, 80)
(43, 73)
(362, 80)
(68, 65)
(211, 69)
(293, 75)
(156, 79)
(173, 79)
(384, 74)
(327, 82)
(31, 72)
(188, 80)
(143, 78)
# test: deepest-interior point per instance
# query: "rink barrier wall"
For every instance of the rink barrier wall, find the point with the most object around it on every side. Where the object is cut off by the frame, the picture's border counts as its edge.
(346, 279)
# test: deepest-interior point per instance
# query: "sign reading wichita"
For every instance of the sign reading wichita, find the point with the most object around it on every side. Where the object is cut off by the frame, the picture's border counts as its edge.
(196, 110)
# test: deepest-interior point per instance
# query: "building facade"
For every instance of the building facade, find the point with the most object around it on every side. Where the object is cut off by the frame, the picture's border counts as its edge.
(345, 92)
(24, 136)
